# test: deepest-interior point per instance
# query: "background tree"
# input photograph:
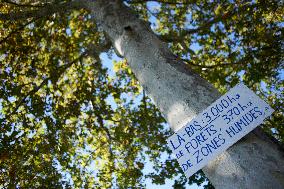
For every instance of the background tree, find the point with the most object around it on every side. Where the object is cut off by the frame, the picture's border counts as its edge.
(67, 121)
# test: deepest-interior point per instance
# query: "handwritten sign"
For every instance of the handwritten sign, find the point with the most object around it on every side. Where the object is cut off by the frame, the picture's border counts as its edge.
(218, 127)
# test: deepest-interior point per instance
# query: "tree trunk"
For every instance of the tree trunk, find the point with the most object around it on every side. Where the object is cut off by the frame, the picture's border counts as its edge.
(181, 94)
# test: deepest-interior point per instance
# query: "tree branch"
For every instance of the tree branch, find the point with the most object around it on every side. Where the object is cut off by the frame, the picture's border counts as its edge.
(21, 5)
(158, 1)
(101, 124)
(170, 37)
(37, 88)
(44, 11)
(16, 31)
(61, 70)
(95, 50)
(213, 66)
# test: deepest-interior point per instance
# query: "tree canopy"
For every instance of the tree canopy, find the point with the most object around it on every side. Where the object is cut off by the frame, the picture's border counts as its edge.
(66, 120)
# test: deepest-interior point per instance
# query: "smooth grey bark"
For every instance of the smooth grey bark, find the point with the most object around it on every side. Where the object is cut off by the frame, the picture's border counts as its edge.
(180, 94)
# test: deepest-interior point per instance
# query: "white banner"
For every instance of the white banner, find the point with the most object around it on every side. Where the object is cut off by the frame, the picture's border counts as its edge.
(217, 128)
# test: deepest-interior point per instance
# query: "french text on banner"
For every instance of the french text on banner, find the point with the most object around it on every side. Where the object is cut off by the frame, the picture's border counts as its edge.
(218, 127)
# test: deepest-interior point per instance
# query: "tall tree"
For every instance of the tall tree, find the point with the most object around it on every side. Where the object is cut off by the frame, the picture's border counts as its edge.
(63, 113)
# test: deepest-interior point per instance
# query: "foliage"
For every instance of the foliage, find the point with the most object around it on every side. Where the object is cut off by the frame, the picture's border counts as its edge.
(67, 121)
